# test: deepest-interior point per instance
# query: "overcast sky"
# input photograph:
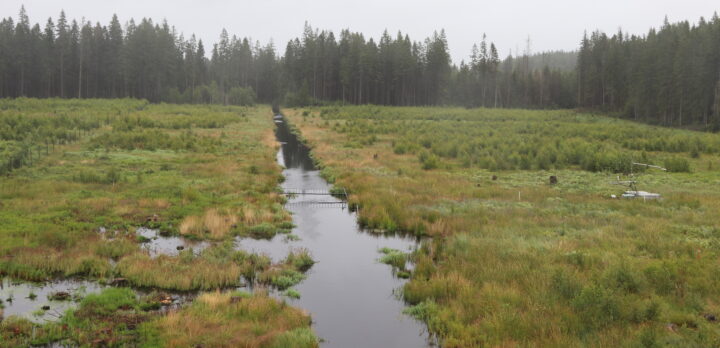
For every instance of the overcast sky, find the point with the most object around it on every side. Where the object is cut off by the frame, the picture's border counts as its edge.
(551, 25)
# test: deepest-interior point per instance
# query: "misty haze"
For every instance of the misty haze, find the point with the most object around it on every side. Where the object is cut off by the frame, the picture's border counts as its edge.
(359, 174)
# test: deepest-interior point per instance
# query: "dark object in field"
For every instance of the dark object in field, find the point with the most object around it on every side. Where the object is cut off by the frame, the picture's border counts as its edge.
(710, 317)
(154, 218)
(235, 299)
(166, 300)
(375, 156)
(494, 177)
(118, 282)
(60, 296)
(553, 180)
(45, 308)
(180, 247)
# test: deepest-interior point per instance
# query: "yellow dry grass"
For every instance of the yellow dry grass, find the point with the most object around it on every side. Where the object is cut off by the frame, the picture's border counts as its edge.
(153, 203)
(215, 224)
(219, 224)
(97, 205)
(269, 139)
(227, 320)
(174, 273)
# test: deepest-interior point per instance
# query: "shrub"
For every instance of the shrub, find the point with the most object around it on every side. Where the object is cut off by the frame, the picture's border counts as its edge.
(596, 307)
(428, 160)
(677, 165)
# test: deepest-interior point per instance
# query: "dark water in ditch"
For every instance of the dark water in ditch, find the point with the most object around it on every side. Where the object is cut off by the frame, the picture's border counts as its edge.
(350, 295)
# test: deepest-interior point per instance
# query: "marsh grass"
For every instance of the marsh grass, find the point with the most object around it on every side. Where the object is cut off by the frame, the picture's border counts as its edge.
(192, 163)
(214, 224)
(227, 320)
(290, 271)
(204, 172)
(292, 293)
(515, 261)
(393, 257)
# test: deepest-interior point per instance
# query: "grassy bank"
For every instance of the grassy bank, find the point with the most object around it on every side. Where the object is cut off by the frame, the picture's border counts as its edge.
(79, 177)
(517, 261)
(117, 318)
(201, 172)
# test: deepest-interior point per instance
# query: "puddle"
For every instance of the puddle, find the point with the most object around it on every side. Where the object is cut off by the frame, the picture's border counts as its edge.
(28, 299)
(172, 246)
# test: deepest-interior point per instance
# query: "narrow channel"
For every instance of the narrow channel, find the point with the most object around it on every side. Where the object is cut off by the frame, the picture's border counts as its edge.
(350, 295)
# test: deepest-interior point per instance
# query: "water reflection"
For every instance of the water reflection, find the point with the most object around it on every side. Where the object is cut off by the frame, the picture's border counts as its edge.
(350, 296)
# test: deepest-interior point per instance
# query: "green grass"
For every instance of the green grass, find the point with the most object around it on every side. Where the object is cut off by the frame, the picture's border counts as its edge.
(299, 338)
(292, 293)
(516, 261)
(70, 167)
(116, 317)
(393, 257)
(204, 172)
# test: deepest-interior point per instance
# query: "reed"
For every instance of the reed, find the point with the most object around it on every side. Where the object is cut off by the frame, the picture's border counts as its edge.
(228, 320)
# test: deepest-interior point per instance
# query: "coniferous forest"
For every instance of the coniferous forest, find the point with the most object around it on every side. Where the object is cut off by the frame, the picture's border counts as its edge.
(670, 76)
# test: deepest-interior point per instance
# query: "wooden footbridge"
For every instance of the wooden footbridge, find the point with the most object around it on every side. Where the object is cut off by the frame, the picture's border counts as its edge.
(313, 192)
(317, 204)
(293, 192)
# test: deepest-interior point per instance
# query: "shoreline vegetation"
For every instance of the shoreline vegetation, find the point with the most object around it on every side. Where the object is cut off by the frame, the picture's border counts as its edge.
(84, 175)
(514, 259)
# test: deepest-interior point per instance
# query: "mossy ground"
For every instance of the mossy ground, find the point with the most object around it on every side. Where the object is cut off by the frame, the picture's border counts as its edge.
(516, 261)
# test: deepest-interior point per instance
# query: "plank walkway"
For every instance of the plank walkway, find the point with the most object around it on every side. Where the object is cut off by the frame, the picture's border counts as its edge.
(311, 192)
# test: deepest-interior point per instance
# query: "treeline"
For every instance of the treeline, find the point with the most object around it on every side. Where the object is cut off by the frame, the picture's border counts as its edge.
(68, 59)
(670, 76)
(399, 71)
(486, 81)
(153, 61)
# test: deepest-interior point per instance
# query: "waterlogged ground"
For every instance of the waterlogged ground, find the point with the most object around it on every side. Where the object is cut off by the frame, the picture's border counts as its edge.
(157, 244)
(147, 199)
(518, 261)
(28, 299)
(350, 295)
